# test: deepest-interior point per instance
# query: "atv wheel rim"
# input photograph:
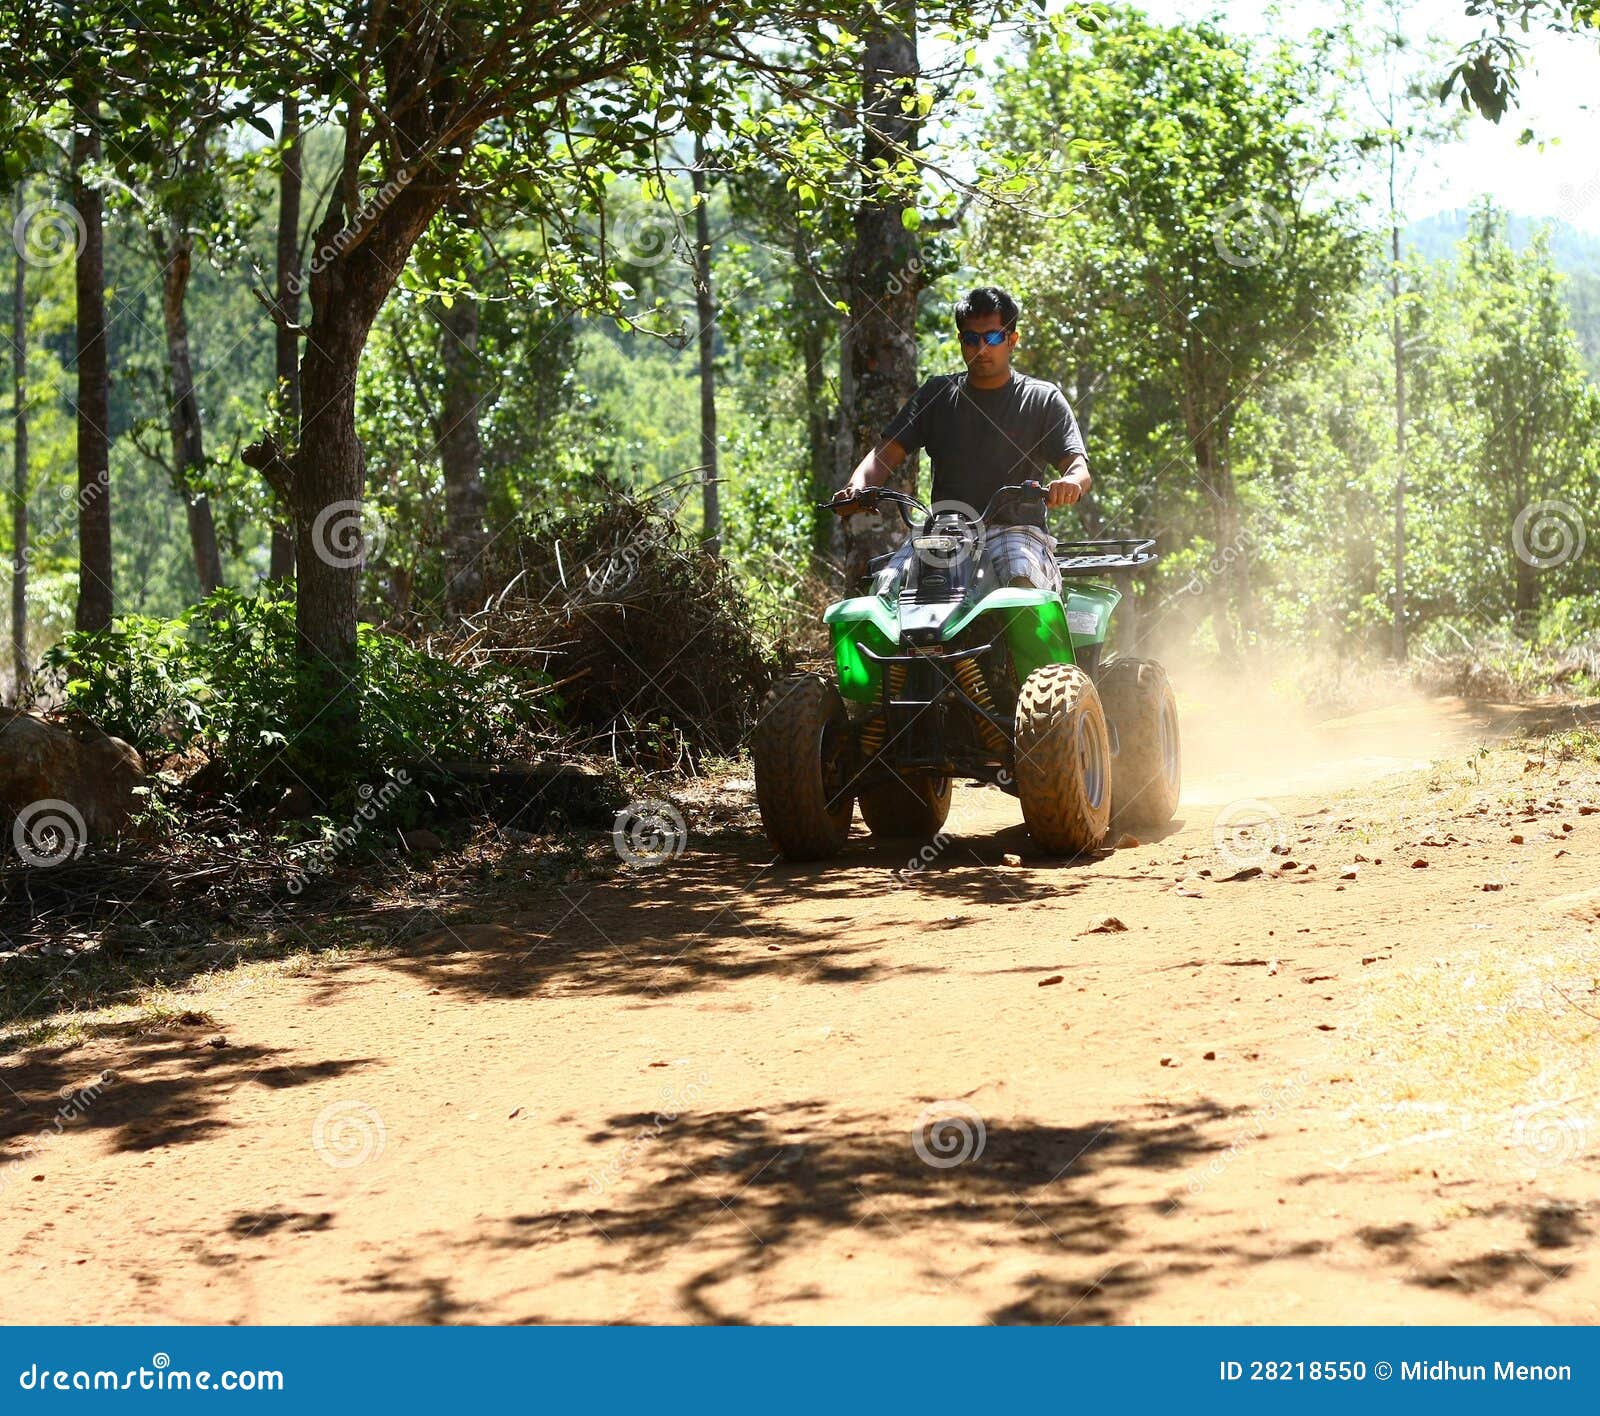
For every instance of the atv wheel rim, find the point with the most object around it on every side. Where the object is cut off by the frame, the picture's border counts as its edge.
(832, 763)
(1091, 762)
(1169, 743)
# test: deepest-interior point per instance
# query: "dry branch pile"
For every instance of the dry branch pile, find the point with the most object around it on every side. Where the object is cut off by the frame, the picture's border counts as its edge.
(648, 640)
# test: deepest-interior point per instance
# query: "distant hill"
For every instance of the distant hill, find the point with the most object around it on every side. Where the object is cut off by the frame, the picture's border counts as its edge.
(1435, 237)
(1576, 253)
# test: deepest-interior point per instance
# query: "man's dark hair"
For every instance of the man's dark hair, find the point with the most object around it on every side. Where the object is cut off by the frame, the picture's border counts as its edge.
(987, 300)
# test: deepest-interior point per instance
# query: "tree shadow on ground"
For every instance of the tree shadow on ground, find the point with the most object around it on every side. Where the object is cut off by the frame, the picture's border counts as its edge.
(1446, 1256)
(703, 919)
(746, 1197)
(708, 919)
(152, 1090)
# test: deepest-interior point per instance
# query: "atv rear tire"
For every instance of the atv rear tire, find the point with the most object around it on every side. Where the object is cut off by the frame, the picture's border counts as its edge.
(801, 748)
(1147, 771)
(911, 807)
(1063, 760)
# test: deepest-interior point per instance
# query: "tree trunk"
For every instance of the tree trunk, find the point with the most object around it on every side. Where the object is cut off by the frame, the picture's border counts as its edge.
(290, 179)
(461, 456)
(706, 314)
(1400, 646)
(94, 402)
(355, 270)
(885, 273)
(183, 413)
(819, 424)
(19, 473)
(330, 545)
(1526, 607)
(815, 316)
(1224, 589)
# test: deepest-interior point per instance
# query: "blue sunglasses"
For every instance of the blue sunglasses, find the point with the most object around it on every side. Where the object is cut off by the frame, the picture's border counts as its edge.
(972, 339)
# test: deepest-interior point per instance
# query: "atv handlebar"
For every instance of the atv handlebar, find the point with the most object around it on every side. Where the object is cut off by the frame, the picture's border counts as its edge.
(867, 499)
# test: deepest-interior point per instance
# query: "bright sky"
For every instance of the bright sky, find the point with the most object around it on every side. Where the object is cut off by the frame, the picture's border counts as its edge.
(1560, 101)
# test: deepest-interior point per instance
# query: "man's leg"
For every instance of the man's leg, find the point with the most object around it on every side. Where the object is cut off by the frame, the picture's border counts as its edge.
(1023, 557)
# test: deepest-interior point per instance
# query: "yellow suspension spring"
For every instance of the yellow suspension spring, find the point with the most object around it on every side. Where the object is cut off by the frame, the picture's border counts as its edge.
(972, 684)
(874, 729)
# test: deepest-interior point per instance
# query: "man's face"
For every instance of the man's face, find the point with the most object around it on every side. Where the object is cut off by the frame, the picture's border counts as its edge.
(987, 360)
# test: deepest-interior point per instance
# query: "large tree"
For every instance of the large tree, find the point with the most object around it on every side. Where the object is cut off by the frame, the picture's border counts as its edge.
(1198, 214)
(572, 93)
(1538, 412)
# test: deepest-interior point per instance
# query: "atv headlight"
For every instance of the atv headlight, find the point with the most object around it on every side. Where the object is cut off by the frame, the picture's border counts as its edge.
(945, 545)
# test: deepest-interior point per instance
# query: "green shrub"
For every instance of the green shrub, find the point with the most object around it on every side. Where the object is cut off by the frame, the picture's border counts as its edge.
(222, 678)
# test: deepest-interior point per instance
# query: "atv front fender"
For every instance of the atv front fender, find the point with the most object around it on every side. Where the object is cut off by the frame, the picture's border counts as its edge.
(865, 620)
(1041, 630)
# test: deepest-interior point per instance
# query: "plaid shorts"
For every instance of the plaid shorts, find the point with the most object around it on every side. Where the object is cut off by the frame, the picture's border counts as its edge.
(1013, 553)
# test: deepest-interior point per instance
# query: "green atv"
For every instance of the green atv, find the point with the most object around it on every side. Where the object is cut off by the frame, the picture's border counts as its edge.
(941, 676)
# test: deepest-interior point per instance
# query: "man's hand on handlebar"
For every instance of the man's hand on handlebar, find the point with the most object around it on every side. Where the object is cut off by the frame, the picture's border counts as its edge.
(853, 500)
(1067, 489)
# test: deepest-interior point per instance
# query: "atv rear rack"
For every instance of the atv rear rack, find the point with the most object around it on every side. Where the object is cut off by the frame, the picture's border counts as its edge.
(1097, 557)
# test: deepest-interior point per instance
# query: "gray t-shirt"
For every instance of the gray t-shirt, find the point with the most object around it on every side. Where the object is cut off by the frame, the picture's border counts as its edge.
(981, 439)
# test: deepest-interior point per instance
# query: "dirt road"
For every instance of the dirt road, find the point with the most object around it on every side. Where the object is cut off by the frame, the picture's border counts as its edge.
(960, 1086)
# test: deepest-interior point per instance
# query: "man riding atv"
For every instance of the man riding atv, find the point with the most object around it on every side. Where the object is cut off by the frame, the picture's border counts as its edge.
(968, 658)
(985, 429)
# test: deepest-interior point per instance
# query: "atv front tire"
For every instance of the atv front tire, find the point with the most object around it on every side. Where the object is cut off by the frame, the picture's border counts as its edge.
(801, 748)
(1147, 772)
(911, 807)
(1063, 760)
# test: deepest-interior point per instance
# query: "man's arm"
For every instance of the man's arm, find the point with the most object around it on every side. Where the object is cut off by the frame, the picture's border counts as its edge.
(1067, 454)
(1073, 482)
(901, 437)
(874, 469)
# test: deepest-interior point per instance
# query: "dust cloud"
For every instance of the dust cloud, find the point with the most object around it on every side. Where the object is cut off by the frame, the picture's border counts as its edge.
(1290, 732)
